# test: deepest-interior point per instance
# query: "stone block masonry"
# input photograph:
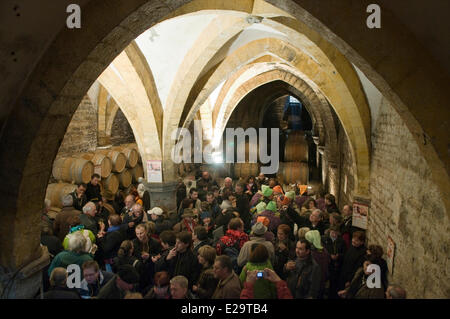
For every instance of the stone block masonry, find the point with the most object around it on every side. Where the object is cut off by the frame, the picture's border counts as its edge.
(407, 206)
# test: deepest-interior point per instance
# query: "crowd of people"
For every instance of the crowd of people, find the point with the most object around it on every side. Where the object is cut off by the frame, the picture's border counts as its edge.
(243, 239)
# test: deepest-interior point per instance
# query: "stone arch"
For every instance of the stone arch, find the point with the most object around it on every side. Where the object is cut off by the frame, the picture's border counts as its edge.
(74, 60)
(352, 114)
(315, 102)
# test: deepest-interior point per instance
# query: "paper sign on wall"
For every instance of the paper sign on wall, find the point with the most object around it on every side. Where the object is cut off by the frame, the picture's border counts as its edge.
(154, 171)
(360, 213)
(98, 170)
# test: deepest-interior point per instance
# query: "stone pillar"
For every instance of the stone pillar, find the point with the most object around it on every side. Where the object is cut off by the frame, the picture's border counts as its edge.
(163, 194)
(25, 282)
(103, 139)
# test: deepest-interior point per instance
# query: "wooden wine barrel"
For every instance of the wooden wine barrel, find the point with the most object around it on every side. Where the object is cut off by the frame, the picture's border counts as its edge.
(101, 160)
(130, 153)
(245, 170)
(111, 183)
(56, 192)
(118, 159)
(68, 169)
(125, 178)
(296, 148)
(294, 172)
(136, 172)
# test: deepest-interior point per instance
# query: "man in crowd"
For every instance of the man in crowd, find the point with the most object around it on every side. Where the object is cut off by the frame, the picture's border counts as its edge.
(93, 190)
(257, 237)
(179, 288)
(303, 275)
(229, 286)
(79, 197)
(88, 218)
(93, 279)
(124, 281)
(61, 224)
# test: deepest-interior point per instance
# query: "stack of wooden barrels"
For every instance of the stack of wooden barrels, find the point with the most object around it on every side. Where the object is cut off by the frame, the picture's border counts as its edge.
(118, 167)
(244, 170)
(295, 168)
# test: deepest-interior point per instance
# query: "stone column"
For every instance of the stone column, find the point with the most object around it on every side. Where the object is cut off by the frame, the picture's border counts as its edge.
(24, 282)
(162, 194)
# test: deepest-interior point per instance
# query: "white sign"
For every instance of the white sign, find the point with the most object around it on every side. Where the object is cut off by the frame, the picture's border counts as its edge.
(360, 212)
(154, 171)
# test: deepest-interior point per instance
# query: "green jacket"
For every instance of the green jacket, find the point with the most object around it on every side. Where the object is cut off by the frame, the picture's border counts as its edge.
(263, 288)
(66, 258)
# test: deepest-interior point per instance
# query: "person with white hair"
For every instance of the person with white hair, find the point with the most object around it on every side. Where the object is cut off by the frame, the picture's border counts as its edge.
(88, 219)
(61, 224)
(75, 253)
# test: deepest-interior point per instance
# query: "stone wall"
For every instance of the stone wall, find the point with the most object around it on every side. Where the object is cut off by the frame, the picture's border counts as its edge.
(121, 131)
(81, 134)
(347, 173)
(407, 206)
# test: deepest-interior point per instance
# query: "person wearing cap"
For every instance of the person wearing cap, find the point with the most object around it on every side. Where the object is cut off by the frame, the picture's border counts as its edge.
(124, 281)
(206, 221)
(277, 190)
(267, 193)
(156, 215)
(256, 237)
(321, 256)
(270, 212)
(187, 223)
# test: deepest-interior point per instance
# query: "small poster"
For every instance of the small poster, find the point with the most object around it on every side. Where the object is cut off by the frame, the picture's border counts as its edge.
(154, 171)
(360, 213)
(390, 253)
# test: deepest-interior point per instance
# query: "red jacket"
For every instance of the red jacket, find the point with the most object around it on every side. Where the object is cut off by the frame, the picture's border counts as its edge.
(283, 291)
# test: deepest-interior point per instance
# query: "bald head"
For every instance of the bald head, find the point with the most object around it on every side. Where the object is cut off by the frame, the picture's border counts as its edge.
(58, 277)
(137, 210)
(395, 292)
(228, 182)
(129, 201)
(346, 211)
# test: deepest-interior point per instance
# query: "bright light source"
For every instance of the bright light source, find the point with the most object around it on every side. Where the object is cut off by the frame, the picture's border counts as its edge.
(217, 157)
(309, 187)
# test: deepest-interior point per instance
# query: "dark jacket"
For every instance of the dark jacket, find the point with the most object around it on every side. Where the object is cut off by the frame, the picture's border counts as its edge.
(93, 193)
(336, 247)
(243, 207)
(224, 219)
(283, 256)
(162, 224)
(184, 264)
(61, 293)
(154, 247)
(304, 280)
(78, 203)
(111, 291)
(109, 244)
(53, 244)
(358, 288)
(89, 223)
(303, 221)
(87, 290)
(353, 259)
(206, 284)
